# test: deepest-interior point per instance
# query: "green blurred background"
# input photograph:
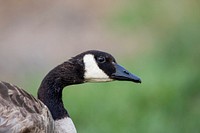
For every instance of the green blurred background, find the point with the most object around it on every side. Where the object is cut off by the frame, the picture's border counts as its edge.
(157, 40)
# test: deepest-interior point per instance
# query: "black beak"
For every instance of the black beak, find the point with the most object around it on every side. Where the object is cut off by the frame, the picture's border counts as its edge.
(122, 74)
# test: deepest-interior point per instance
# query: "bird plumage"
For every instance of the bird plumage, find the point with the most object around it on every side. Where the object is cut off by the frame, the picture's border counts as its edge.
(20, 112)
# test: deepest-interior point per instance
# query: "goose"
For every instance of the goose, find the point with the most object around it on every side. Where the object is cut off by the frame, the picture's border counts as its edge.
(20, 112)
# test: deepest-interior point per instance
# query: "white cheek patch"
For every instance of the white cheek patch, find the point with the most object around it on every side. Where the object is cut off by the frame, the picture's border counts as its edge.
(92, 70)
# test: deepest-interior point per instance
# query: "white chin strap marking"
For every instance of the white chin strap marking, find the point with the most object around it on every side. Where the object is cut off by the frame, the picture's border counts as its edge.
(92, 70)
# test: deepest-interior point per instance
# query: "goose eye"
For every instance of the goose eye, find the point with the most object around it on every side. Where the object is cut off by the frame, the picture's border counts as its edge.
(101, 59)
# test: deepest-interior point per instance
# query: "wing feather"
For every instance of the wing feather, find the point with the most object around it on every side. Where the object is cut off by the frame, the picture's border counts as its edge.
(20, 112)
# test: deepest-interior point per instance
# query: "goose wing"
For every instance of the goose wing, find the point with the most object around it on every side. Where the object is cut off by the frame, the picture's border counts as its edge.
(20, 112)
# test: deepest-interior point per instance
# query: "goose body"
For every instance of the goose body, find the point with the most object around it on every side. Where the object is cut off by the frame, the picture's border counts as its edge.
(20, 112)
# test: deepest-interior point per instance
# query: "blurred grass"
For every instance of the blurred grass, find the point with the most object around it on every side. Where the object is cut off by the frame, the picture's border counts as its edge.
(168, 100)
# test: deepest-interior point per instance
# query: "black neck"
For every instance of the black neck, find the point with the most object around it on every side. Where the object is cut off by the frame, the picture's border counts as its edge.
(50, 91)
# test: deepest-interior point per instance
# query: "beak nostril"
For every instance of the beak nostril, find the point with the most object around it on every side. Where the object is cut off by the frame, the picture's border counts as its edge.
(126, 72)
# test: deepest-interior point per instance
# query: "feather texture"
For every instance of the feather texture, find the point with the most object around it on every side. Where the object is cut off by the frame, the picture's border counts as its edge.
(20, 112)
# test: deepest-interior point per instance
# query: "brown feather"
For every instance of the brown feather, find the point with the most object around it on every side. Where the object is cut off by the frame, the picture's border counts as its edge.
(20, 112)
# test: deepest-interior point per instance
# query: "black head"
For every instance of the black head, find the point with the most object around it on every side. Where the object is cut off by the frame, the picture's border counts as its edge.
(101, 66)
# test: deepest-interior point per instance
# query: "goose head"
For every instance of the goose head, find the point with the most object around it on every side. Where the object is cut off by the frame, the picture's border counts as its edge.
(100, 66)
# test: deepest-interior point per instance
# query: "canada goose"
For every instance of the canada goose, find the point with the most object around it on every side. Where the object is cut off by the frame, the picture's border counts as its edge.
(20, 112)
